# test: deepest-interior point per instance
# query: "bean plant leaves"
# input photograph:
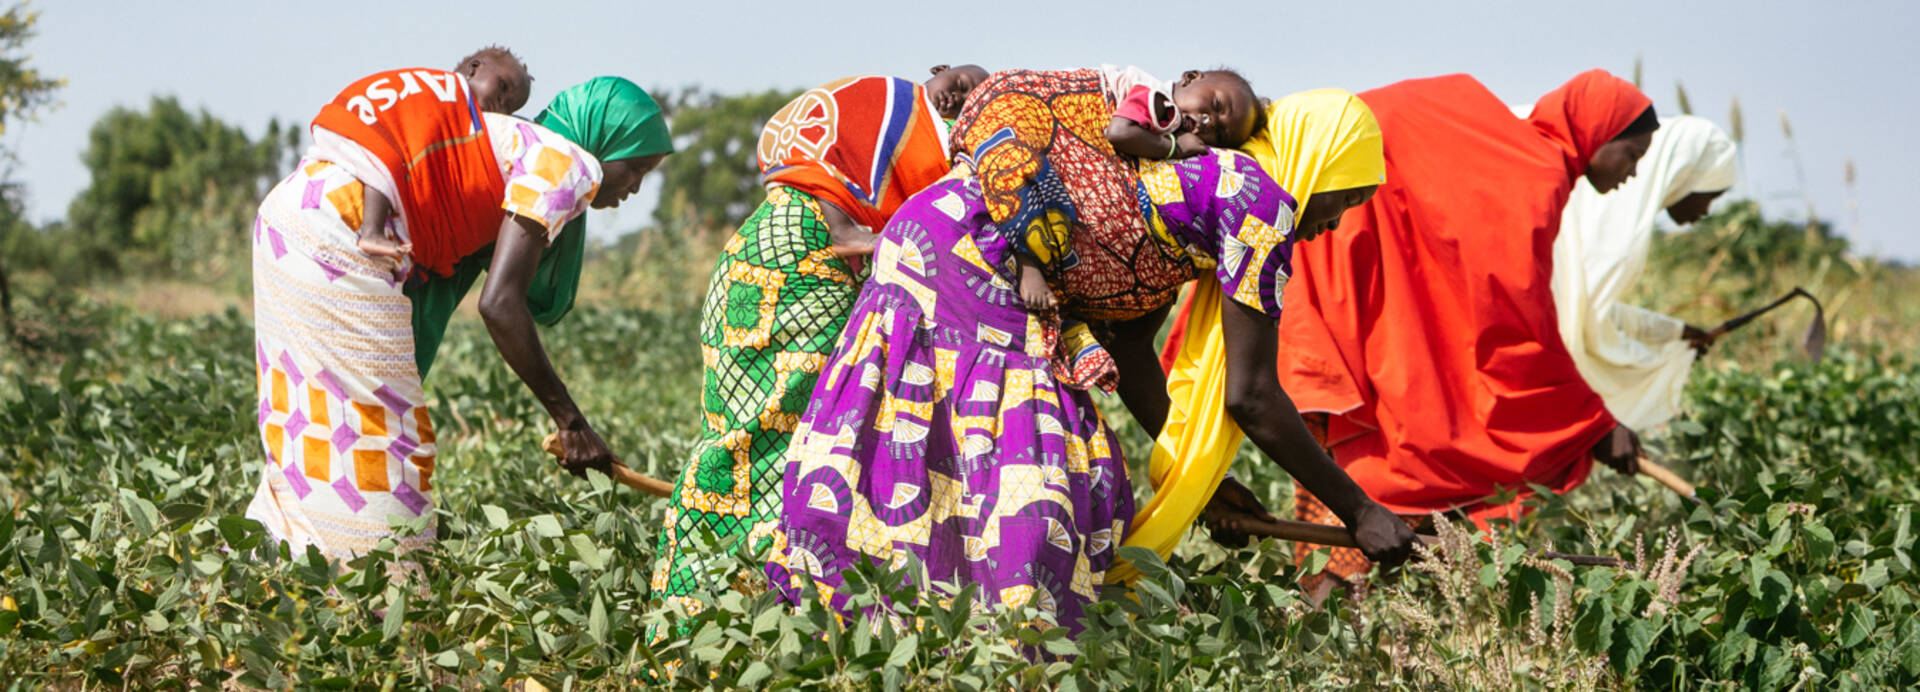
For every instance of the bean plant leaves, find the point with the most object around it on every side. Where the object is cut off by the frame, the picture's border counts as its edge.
(584, 550)
(139, 567)
(396, 614)
(597, 619)
(1819, 541)
(904, 651)
(1593, 630)
(496, 517)
(546, 526)
(756, 672)
(1855, 626)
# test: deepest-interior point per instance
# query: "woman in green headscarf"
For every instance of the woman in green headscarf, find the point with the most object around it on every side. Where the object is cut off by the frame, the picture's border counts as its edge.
(343, 415)
(629, 125)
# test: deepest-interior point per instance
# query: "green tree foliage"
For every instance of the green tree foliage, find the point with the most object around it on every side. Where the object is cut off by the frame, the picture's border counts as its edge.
(173, 190)
(1750, 258)
(1753, 242)
(714, 177)
(14, 232)
(23, 90)
(23, 93)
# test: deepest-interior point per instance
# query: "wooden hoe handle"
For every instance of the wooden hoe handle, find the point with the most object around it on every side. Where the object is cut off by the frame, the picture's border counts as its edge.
(1667, 477)
(620, 473)
(1326, 534)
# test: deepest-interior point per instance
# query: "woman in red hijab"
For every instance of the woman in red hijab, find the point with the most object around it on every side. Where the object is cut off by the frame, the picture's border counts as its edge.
(1425, 328)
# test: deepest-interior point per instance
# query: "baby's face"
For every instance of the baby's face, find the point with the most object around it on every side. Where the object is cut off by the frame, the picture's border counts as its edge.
(949, 87)
(499, 84)
(1218, 108)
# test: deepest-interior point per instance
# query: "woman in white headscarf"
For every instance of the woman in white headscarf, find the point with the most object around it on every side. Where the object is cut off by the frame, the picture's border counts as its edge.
(1636, 359)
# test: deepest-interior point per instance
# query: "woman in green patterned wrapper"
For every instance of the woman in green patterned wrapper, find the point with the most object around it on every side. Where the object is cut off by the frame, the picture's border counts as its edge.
(837, 161)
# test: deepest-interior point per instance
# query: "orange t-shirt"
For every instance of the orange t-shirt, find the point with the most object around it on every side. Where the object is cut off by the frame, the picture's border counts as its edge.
(425, 129)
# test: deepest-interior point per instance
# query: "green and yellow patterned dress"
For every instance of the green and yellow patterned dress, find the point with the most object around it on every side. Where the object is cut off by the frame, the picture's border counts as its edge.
(775, 308)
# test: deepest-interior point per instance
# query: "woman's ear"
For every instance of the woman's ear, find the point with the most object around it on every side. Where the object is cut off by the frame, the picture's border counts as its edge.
(937, 69)
(1189, 77)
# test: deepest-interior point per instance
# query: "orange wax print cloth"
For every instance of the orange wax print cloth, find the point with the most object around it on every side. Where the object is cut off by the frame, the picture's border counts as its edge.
(864, 144)
(424, 129)
(1054, 186)
(1425, 324)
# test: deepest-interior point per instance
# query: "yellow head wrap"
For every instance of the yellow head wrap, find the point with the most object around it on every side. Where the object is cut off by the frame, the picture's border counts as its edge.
(1315, 141)
(1319, 141)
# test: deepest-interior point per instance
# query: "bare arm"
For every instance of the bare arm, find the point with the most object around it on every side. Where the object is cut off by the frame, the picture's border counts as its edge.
(1133, 139)
(376, 209)
(851, 241)
(1264, 411)
(503, 305)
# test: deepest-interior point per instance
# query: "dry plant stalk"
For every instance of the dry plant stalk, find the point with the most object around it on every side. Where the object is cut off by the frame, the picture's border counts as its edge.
(1667, 572)
(1457, 640)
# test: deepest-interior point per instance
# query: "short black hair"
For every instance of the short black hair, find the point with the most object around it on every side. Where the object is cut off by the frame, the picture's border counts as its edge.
(494, 51)
(1647, 122)
(1253, 97)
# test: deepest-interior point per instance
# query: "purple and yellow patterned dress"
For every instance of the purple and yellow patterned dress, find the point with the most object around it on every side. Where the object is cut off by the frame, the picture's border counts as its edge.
(938, 431)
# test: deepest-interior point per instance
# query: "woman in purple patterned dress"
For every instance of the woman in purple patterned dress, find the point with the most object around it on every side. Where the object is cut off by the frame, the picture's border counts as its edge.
(943, 429)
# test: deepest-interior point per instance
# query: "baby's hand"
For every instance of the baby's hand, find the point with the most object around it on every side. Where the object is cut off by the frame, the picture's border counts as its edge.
(948, 102)
(385, 247)
(1188, 144)
(851, 241)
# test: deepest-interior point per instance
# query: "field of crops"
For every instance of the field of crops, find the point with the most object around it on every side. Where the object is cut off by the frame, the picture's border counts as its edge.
(129, 454)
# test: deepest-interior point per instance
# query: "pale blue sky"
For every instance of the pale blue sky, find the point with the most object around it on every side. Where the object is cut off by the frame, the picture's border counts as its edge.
(1845, 72)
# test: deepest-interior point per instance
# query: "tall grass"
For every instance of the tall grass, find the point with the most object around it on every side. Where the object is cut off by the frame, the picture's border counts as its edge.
(1736, 260)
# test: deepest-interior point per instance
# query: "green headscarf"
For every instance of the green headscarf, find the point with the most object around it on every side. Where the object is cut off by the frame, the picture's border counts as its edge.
(612, 119)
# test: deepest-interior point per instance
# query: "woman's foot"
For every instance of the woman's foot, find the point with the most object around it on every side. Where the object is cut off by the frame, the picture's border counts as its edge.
(1034, 290)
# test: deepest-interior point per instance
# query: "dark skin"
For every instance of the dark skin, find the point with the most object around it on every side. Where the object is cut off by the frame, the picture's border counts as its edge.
(1217, 111)
(499, 82)
(1262, 409)
(1689, 209)
(1612, 164)
(1218, 107)
(376, 209)
(503, 306)
(1620, 450)
(1034, 290)
(1692, 207)
(620, 179)
(949, 86)
(948, 89)
(1325, 209)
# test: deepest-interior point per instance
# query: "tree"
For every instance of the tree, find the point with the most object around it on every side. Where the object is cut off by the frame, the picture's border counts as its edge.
(173, 190)
(714, 177)
(24, 92)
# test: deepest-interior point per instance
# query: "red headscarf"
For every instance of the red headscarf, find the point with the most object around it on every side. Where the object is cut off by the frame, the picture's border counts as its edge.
(1586, 112)
(1425, 324)
(865, 144)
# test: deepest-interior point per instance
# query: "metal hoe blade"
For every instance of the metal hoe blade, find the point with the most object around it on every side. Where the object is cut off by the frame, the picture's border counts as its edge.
(1815, 340)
